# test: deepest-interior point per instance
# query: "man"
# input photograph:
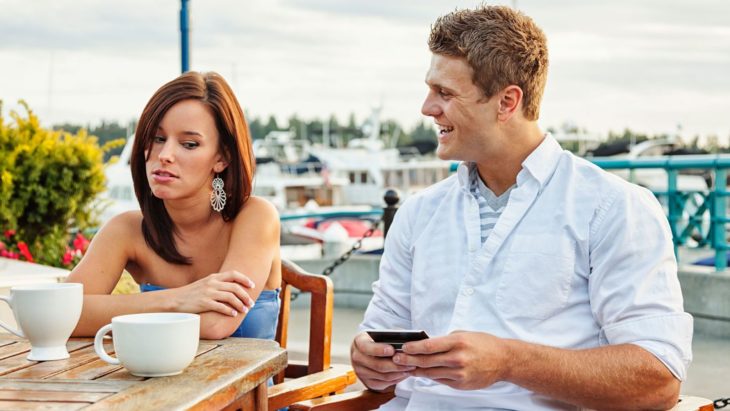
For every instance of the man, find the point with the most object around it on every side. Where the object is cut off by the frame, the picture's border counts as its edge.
(543, 281)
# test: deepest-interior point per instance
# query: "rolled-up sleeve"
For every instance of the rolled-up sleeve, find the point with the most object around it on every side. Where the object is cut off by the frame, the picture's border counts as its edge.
(634, 289)
(390, 305)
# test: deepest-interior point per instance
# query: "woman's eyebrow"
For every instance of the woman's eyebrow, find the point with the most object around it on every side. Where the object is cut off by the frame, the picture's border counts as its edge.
(192, 133)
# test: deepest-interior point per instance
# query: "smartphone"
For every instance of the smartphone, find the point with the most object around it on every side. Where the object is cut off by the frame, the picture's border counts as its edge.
(396, 338)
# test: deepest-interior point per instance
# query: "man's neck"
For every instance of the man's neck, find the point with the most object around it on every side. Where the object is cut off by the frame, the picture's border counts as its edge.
(499, 171)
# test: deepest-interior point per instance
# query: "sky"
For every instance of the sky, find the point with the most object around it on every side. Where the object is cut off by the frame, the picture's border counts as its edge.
(655, 66)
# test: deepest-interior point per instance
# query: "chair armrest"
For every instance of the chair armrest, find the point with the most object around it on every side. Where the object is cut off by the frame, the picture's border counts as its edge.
(349, 401)
(336, 378)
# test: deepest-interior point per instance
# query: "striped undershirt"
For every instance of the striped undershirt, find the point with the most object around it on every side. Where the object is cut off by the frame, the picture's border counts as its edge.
(490, 206)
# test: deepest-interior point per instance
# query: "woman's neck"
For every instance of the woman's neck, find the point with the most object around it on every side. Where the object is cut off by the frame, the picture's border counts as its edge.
(191, 215)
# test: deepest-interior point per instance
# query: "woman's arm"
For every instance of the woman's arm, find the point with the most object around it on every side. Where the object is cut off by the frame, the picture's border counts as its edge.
(253, 251)
(109, 253)
(99, 271)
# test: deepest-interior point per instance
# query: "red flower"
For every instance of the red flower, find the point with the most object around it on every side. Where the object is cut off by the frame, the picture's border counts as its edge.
(24, 251)
(80, 242)
(9, 234)
(67, 257)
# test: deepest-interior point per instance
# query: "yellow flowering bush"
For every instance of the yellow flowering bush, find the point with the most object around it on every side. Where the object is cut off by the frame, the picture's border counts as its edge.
(48, 181)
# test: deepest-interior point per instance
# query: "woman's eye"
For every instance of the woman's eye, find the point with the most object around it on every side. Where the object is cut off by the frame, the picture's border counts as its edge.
(190, 144)
(158, 139)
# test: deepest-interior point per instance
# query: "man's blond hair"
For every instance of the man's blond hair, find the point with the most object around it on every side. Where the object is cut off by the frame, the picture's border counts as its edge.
(503, 47)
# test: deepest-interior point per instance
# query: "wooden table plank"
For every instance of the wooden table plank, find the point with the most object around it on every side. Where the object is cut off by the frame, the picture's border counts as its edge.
(51, 406)
(214, 380)
(65, 385)
(14, 348)
(47, 369)
(6, 342)
(17, 361)
(89, 371)
(51, 396)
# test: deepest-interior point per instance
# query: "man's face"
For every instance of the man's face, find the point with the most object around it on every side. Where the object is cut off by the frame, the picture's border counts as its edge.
(463, 115)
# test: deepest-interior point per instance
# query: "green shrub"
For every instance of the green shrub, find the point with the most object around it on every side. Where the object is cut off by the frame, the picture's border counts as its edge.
(48, 181)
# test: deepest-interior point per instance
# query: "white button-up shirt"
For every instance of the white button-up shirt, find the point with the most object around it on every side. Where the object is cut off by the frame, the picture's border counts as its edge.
(578, 259)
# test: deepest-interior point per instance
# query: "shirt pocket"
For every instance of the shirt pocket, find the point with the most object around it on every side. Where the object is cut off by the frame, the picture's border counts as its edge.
(537, 275)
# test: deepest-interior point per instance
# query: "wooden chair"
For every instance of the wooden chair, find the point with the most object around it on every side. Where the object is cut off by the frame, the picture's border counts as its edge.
(369, 400)
(316, 377)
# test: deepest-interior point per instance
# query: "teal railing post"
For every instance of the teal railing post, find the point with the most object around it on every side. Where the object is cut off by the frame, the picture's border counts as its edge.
(675, 208)
(718, 219)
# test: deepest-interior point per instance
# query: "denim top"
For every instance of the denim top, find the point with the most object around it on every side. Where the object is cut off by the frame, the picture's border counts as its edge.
(261, 320)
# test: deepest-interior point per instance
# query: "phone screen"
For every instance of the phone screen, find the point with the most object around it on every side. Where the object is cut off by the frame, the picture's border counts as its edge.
(397, 338)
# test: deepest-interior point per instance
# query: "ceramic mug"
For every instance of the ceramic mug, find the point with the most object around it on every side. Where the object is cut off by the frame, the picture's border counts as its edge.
(47, 315)
(151, 344)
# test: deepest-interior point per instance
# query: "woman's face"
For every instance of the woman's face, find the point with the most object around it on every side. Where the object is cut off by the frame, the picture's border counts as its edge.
(184, 154)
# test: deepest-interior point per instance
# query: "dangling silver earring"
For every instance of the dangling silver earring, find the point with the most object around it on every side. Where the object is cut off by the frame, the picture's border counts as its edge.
(218, 196)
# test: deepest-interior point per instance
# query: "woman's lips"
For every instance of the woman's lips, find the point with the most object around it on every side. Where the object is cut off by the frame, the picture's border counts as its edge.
(161, 176)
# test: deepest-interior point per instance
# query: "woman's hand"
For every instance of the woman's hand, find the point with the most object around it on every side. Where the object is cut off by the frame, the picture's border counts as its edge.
(225, 293)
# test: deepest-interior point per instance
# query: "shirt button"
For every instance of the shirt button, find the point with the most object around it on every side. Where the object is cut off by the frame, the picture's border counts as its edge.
(468, 291)
(472, 248)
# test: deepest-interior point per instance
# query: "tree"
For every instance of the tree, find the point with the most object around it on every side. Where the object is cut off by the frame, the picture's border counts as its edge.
(423, 132)
(256, 129)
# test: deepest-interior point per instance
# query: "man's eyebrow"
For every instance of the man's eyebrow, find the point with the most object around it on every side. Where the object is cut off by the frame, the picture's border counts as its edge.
(439, 86)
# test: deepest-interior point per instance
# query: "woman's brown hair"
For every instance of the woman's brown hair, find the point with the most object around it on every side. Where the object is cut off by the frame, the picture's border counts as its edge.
(234, 143)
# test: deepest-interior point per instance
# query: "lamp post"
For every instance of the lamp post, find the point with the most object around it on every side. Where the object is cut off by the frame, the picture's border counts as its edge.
(184, 41)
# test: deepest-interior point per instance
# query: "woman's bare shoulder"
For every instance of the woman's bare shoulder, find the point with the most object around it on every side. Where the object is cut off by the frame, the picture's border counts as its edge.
(127, 225)
(259, 208)
(257, 216)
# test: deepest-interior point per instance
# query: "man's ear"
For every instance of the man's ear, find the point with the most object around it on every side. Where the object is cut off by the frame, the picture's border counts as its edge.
(509, 102)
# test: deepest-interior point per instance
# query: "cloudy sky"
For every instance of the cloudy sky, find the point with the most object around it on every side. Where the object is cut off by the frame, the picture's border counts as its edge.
(649, 65)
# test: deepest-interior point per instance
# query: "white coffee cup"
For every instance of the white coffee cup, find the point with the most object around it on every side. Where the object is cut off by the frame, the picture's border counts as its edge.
(47, 315)
(151, 344)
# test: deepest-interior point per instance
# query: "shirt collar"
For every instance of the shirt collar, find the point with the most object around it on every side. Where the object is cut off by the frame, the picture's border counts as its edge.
(540, 164)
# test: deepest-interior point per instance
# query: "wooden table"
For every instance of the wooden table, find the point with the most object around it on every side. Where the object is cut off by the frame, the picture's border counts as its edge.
(223, 371)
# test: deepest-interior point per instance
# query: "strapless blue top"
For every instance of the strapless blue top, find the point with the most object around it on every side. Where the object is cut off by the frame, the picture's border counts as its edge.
(260, 322)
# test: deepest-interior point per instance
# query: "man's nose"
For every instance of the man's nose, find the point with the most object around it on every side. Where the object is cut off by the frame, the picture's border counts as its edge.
(430, 107)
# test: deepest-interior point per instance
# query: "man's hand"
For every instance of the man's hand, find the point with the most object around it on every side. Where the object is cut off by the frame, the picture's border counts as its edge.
(373, 363)
(461, 360)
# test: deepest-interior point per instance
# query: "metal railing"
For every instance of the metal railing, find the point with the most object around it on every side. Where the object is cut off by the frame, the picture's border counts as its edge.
(697, 218)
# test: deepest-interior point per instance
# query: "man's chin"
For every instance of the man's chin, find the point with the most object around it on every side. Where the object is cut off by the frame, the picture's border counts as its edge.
(444, 154)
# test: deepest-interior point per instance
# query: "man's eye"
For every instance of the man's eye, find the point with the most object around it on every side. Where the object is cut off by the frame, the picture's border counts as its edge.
(190, 144)
(158, 139)
(444, 93)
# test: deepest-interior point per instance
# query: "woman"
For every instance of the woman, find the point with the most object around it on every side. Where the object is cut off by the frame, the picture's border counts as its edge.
(201, 241)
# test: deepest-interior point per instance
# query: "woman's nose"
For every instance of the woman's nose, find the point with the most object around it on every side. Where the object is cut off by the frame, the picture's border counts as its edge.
(167, 152)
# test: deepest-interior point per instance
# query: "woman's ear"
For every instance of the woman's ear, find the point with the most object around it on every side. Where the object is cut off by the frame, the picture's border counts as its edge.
(220, 165)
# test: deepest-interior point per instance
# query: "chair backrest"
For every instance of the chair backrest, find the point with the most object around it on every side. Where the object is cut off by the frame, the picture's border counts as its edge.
(320, 320)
